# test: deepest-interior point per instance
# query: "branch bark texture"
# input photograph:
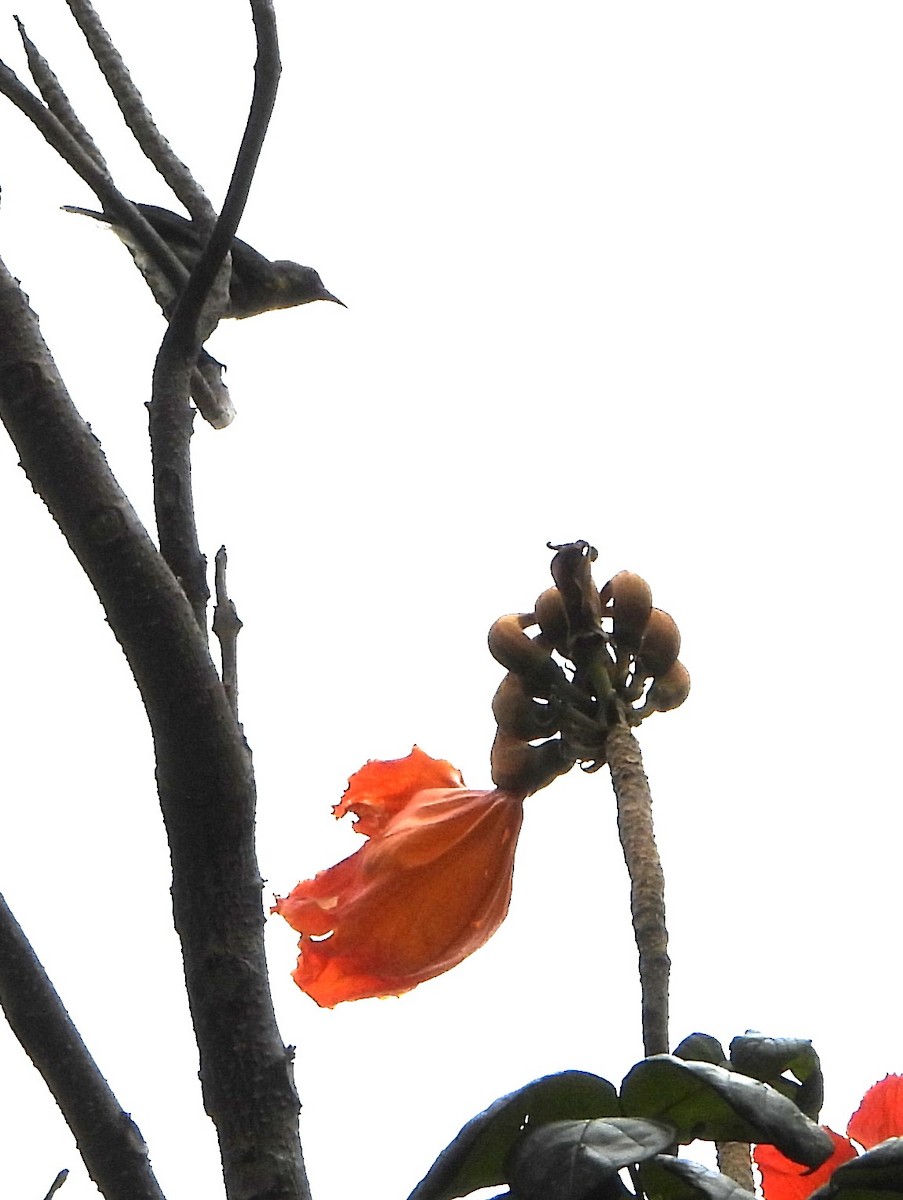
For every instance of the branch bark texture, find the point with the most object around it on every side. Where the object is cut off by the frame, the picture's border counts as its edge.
(647, 882)
(169, 415)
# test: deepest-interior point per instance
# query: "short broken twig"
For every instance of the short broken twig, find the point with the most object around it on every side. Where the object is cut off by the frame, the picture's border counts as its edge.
(61, 1178)
(227, 626)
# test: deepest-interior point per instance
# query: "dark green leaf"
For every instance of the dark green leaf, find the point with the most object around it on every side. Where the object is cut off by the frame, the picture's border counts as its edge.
(476, 1157)
(659, 1184)
(701, 1047)
(709, 1102)
(570, 1160)
(670, 1178)
(876, 1175)
(768, 1058)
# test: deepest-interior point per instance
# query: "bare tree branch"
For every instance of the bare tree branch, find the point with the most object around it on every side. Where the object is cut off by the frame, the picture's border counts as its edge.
(138, 117)
(204, 776)
(68, 147)
(181, 341)
(108, 1139)
(57, 100)
(170, 418)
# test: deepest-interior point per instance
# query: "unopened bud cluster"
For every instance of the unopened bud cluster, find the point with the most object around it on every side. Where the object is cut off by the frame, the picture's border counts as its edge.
(598, 657)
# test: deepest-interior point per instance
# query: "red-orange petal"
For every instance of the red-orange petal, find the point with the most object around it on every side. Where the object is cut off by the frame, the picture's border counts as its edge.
(784, 1179)
(380, 789)
(880, 1115)
(431, 886)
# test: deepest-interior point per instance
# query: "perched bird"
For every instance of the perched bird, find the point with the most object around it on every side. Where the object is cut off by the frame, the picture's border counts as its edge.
(257, 285)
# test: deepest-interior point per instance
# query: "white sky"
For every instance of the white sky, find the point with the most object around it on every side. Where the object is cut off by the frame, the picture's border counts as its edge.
(630, 273)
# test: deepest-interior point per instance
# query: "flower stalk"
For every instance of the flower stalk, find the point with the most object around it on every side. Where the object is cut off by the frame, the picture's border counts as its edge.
(602, 662)
(647, 882)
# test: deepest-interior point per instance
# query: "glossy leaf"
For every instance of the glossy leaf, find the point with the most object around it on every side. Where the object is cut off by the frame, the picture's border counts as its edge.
(670, 1178)
(767, 1059)
(476, 1157)
(706, 1101)
(701, 1047)
(570, 1160)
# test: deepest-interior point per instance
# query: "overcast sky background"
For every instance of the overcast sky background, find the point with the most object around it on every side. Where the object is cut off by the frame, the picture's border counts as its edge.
(630, 273)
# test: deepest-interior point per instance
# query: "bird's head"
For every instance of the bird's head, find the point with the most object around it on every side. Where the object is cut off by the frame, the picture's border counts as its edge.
(292, 284)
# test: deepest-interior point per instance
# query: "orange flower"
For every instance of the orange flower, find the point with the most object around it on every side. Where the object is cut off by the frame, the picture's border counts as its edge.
(784, 1179)
(880, 1115)
(430, 886)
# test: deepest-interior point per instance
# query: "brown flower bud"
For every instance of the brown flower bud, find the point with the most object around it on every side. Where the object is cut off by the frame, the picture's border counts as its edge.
(519, 714)
(519, 767)
(572, 571)
(660, 643)
(628, 600)
(514, 649)
(669, 690)
(552, 619)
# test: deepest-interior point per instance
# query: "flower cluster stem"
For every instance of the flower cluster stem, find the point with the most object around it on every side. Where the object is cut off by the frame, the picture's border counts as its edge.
(647, 882)
(734, 1162)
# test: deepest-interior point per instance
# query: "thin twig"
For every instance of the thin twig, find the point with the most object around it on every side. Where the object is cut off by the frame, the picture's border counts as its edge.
(227, 626)
(57, 100)
(138, 117)
(108, 1139)
(61, 1178)
(181, 337)
(207, 388)
(170, 420)
(67, 146)
(647, 882)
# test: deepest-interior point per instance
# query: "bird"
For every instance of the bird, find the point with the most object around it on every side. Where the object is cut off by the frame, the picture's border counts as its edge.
(257, 284)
